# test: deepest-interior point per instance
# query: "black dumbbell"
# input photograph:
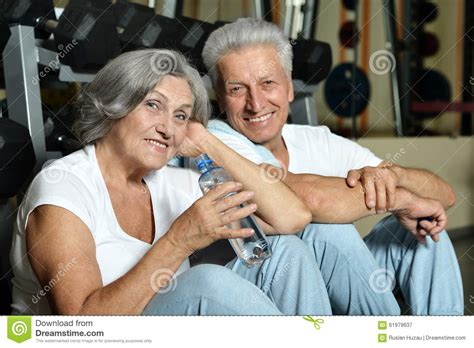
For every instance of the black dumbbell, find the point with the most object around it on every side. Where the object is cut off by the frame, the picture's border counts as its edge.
(312, 60)
(131, 20)
(85, 35)
(27, 12)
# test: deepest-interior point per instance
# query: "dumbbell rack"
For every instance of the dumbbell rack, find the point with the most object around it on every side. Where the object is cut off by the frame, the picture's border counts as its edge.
(22, 57)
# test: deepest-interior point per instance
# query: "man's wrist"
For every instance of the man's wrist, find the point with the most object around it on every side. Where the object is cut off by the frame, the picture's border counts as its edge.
(399, 173)
(404, 200)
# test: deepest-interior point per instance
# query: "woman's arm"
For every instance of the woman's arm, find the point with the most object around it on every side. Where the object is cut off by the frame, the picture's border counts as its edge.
(280, 209)
(55, 237)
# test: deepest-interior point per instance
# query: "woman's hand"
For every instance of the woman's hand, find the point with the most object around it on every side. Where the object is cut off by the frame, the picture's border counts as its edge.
(206, 220)
(192, 145)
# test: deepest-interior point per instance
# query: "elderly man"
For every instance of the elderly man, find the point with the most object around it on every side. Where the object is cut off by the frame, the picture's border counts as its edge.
(250, 64)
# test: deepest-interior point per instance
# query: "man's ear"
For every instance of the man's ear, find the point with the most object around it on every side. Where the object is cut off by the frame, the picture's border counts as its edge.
(291, 92)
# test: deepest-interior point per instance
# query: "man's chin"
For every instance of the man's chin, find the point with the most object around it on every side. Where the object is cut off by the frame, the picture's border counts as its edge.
(258, 138)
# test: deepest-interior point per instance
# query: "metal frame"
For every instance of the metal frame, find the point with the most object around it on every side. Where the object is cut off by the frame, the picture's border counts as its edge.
(21, 57)
(390, 45)
(303, 108)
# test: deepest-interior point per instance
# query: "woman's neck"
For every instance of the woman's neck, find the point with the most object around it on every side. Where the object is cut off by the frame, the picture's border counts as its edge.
(117, 168)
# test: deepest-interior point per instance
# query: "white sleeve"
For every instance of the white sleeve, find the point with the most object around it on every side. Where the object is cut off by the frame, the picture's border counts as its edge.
(347, 155)
(245, 150)
(56, 186)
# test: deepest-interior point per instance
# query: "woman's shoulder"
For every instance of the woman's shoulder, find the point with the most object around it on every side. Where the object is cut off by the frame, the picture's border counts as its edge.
(73, 169)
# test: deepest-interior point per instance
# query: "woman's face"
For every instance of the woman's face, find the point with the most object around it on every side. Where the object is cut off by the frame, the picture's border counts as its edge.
(152, 133)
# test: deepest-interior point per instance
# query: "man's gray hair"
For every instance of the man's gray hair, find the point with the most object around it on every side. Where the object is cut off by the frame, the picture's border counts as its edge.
(243, 33)
(124, 82)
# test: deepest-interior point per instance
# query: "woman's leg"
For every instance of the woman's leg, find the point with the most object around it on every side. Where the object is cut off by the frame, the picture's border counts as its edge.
(427, 274)
(210, 290)
(347, 267)
(290, 278)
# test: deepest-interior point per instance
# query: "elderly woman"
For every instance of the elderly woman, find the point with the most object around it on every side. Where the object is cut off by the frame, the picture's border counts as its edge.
(109, 228)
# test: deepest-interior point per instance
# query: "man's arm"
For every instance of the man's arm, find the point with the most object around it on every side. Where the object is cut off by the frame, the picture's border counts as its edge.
(425, 184)
(332, 201)
(380, 183)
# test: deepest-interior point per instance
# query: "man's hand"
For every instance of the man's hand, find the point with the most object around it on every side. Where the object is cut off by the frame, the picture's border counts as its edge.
(422, 217)
(379, 184)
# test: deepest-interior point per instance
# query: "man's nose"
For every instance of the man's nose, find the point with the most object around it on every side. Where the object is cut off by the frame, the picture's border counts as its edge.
(255, 100)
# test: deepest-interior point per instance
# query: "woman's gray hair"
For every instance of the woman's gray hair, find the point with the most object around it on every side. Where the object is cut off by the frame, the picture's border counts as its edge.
(243, 33)
(124, 82)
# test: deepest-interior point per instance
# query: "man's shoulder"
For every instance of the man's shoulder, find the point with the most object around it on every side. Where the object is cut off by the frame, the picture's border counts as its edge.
(299, 130)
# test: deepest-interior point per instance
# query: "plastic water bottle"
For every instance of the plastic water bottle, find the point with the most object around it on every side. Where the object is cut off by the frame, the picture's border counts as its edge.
(252, 250)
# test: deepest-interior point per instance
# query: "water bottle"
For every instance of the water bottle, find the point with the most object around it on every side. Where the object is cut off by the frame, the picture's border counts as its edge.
(252, 250)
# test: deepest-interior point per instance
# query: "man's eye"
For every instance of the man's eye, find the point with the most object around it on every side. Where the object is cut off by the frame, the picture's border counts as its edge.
(235, 89)
(268, 82)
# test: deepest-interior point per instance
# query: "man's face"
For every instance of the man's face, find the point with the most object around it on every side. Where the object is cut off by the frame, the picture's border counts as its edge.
(255, 92)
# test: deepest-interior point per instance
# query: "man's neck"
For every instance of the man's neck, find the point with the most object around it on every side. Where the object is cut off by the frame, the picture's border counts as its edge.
(278, 148)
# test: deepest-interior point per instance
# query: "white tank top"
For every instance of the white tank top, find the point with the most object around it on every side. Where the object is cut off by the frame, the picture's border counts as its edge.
(75, 183)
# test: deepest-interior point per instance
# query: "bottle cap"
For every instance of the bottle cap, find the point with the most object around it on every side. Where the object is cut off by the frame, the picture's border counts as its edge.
(203, 162)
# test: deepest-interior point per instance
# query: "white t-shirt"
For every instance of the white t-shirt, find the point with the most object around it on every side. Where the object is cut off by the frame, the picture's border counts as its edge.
(75, 183)
(312, 150)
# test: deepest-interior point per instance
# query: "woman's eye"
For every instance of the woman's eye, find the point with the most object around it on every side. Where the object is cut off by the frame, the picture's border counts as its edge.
(182, 117)
(153, 104)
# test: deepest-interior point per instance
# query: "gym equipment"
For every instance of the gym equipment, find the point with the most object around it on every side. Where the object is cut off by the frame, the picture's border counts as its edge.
(350, 4)
(428, 12)
(312, 60)
(58, 131)
(85, 35)
(429, 44)
(131, 19)
(184, 34)
(89, 29)
(432, 86)
(339, 90)
(17, 157)
(29, 12)
(348, 35)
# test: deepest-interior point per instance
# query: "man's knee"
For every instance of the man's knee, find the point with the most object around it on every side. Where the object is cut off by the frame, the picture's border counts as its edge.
(343, 237)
